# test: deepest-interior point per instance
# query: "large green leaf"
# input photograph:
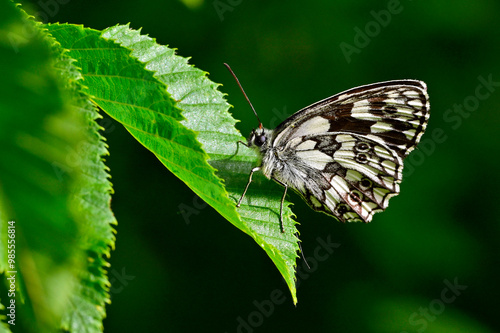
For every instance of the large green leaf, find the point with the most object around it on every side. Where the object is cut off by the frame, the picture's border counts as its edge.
(37, 129)
(53, 183)
(85, 310)
(206, 112)
(130, 83)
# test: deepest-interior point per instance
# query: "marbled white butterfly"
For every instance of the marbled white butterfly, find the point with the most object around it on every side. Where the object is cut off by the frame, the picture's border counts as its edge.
(344, 155)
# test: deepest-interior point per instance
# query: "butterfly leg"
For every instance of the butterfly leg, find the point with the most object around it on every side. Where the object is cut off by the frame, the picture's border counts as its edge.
(243, 143)
(238, 148)
(248, 184)
(281, 206)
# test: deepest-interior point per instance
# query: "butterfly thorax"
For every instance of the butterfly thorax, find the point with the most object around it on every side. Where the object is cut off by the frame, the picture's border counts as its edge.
(279, 162)
(260, 139)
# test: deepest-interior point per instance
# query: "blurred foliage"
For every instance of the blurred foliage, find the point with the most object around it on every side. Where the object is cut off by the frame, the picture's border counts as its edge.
(54, 185)
(387, 276)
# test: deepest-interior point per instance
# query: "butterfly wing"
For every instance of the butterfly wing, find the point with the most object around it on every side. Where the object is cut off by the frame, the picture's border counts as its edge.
(355, 142)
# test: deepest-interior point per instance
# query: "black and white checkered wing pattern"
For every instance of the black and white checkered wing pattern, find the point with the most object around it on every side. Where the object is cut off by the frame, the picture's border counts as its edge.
(355, 143)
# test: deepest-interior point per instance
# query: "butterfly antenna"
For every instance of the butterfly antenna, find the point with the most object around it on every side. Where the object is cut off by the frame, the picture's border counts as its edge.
(243, 91)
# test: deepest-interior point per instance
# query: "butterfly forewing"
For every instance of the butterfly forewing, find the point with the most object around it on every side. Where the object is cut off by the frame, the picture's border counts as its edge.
(348, 149)
(395, 112)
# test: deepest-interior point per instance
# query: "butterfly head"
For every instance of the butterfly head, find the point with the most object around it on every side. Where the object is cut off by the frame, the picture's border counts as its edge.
(259, 138)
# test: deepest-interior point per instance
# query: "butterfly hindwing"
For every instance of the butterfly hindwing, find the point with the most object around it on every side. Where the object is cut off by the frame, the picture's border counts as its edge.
(361, 175)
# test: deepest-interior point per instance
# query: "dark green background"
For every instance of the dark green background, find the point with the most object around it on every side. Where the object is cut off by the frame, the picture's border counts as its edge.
(207, 276)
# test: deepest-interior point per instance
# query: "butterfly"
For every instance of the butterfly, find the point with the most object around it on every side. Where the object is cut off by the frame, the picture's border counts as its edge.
(344, 154)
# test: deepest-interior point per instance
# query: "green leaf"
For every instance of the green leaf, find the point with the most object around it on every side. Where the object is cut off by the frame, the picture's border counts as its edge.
(91, 200)
(134, 92)
(86, 309)
(53, 183)
(37, 130)
(206, 112)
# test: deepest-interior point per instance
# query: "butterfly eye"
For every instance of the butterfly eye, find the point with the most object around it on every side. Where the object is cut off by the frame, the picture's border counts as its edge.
(259, 140)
